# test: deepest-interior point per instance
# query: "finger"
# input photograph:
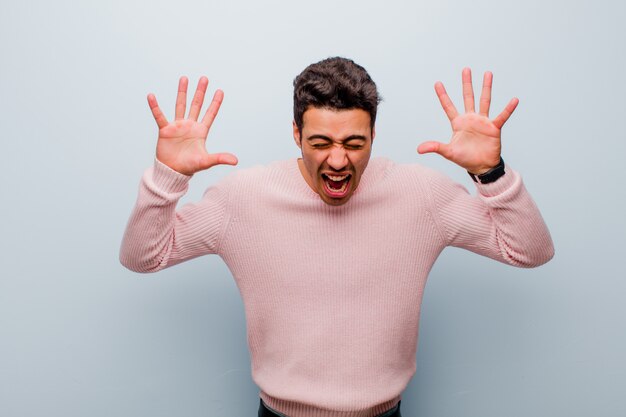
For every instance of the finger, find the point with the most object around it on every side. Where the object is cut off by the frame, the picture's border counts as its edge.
(506, 113)
(485, 95)
(214, 107)
(156, 111)
(198, 98)
(181, 98)
(211, 160)
(468, 91)
(434, 147)
(445, 101)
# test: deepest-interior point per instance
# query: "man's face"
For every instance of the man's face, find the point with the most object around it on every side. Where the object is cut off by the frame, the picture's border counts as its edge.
(336, 146)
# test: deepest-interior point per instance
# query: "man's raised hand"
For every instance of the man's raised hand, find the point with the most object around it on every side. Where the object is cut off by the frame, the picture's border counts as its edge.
(181, 144)
(475, 143)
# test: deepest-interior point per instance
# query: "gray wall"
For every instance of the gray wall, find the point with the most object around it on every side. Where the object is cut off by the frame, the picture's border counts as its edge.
(82, 336)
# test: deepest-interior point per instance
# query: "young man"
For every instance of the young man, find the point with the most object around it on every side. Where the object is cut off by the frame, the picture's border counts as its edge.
(331, 251)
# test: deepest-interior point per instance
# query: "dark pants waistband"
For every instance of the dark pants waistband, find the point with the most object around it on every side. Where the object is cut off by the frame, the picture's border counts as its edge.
(265, 411)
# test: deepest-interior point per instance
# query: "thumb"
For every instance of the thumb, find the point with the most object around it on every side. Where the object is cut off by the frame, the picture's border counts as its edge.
(211, 160)
(435, 147)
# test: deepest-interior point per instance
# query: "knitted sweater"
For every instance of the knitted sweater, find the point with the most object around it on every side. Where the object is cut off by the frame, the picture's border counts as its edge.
(332, 294)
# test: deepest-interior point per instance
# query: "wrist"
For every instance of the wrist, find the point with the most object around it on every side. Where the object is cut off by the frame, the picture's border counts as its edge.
(490, 175)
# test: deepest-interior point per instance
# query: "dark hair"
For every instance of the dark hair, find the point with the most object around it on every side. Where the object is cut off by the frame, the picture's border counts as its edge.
(335, 83)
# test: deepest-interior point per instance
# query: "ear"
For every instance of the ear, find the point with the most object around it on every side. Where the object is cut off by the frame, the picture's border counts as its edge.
(296, 135)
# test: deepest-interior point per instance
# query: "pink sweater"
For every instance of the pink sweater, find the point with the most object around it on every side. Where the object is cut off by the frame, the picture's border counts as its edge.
(332, 294)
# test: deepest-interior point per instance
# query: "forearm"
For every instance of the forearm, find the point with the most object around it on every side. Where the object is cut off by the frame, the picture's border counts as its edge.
(502, 222)
(519, 231)
(149, 237)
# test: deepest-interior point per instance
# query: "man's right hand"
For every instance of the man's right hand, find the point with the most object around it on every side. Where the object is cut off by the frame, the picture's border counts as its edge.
(181, 144)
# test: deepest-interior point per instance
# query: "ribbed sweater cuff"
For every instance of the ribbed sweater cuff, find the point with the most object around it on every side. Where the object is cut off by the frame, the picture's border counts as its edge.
(501, 185)
(294, 409)
(168, 180)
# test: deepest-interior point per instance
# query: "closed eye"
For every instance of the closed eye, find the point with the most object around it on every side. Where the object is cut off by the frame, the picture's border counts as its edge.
(319, 145)
(353, 146)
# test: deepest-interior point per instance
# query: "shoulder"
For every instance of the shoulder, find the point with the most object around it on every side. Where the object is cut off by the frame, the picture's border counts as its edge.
(387, 180)
(252, 183)
(405, 173)
(261, 174)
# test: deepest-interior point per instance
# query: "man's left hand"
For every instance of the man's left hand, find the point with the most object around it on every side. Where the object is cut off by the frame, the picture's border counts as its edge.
(475, 143)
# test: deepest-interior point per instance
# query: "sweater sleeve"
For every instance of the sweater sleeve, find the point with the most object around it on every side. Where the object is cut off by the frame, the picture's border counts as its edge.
(501, 222)
(158, 236)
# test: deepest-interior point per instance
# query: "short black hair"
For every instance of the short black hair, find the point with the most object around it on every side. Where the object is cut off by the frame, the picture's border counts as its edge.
(334, 83)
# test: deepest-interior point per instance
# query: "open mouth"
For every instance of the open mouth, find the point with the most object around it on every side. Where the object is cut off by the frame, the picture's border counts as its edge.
(336, 185)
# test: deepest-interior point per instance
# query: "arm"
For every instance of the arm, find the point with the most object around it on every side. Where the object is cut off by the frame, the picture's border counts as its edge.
(157, 235)
(502, 222)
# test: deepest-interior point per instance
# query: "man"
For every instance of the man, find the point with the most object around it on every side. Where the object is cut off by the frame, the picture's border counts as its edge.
(331, 251)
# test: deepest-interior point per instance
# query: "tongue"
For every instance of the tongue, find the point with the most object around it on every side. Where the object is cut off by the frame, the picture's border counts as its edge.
(335, 184)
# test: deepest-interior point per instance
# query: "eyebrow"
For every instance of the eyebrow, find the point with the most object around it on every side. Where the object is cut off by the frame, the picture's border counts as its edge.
(351, 137)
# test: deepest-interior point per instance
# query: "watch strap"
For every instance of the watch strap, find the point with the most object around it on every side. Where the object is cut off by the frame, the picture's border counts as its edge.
(490, 176)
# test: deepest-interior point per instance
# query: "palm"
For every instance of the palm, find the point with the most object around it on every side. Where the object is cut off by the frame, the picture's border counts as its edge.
(475, 140)
(475, 144)
(181, 144)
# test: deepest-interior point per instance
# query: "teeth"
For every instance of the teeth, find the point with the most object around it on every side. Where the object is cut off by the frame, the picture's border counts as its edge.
(334, 178)
(340, 190)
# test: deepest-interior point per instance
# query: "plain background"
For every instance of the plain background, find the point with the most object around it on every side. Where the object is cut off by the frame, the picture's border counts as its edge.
(82, 336)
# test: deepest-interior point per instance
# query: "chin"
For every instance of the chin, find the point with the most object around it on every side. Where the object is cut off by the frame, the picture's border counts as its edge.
(334, 201)
(338, 202)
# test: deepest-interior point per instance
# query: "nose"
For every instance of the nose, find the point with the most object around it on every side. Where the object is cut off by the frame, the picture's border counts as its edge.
(337, 158)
